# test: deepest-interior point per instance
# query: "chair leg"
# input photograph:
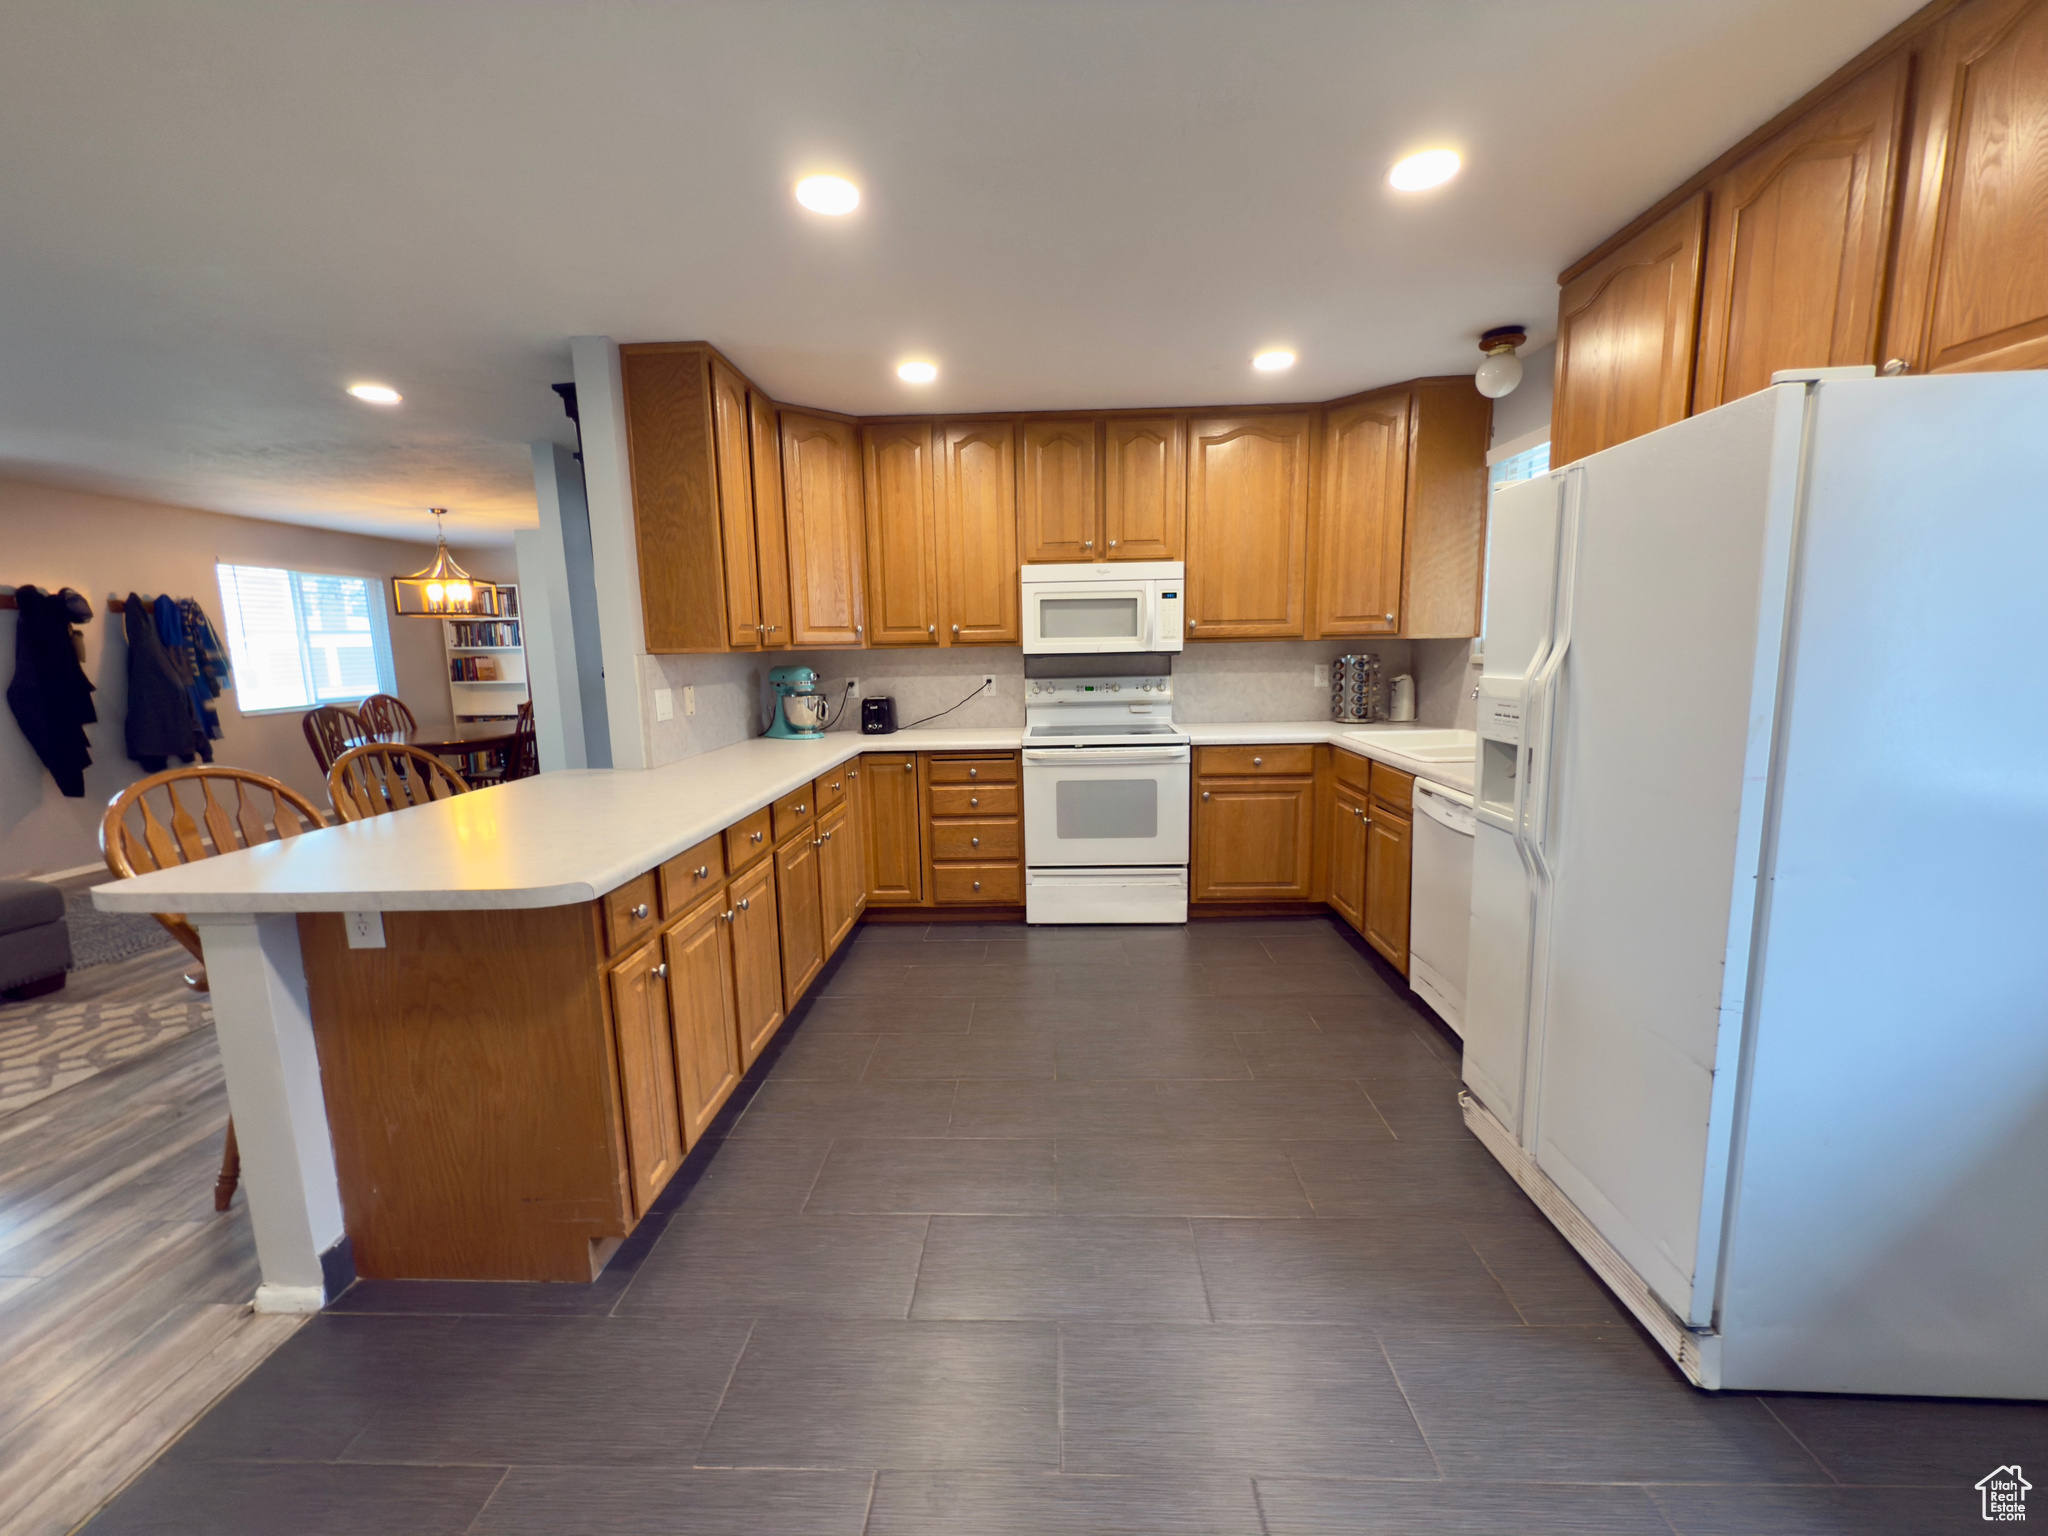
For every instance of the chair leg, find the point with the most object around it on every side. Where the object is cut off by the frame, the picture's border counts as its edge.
(230, 1170)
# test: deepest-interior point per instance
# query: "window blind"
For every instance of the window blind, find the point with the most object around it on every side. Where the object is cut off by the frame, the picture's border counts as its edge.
(297, 639)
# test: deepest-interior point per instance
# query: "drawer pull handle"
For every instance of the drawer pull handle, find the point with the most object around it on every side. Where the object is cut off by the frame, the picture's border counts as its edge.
(974, 773)
(835, 783)
(974, 842)
(1205, 794)
(757, 836)
(661, 971)
(640, 909)
(703, 871)
(977, 885)
(800, 808)
(973, 801)
(1258, 762)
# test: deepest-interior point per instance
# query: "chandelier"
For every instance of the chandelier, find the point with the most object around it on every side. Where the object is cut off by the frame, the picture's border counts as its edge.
(444, 589)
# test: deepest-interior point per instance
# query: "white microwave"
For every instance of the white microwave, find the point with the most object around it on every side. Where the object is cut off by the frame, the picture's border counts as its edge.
(1077, 610)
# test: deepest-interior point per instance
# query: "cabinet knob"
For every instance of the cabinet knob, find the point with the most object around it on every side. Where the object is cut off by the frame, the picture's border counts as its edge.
(1390, 618)
(973, 801)
(1258, 762)
(757, 836)
(745, 902)
(1191, 623)
(1087, 543)
(817, 842)
(725, 916)
(640, 909)
(1894, 366)
(1112, 543)
(977, 885)
(910, 767)
(974, 773)
(703, 870)
(801, 808)
(760, 629)
(974, 842)
(774, 629)
(1205, 794)
(956, 629)
(835, 783)
(828, 837)
(661, 970)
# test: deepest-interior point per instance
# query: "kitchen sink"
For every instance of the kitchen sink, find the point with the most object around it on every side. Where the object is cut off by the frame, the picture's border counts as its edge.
(1423, 746)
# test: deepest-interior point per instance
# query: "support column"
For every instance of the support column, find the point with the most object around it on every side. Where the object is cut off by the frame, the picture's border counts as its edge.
(273, 1076)
(614, 544)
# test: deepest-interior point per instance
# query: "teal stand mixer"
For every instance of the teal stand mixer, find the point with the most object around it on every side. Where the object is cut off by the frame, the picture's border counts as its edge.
(799, 707)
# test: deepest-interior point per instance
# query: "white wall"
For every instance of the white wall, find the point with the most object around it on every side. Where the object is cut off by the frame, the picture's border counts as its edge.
(54, 538)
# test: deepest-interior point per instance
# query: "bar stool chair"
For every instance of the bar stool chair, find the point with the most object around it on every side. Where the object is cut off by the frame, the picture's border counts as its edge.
(330, 731)
(386, 718)
(384, 776)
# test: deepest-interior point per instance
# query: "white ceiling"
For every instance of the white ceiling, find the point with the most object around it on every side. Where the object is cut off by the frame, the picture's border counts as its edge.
(215, 215)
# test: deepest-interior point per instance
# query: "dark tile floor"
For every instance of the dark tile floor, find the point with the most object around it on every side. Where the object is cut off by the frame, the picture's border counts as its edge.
(1035, 1231)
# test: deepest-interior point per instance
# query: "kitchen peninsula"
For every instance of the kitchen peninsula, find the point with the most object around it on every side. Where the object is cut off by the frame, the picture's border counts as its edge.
(474, 1039)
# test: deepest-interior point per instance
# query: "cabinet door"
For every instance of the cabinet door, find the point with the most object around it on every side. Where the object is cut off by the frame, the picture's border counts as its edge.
(647, 1073)
(821, 499)
(1059, 503)
(1248, 527)
(704, 1012)
(771, 540)
(800, 910)
(1359, 524)
(1625, 338)
(1144, 487)
(1388, 844)
(675, 496)
(903, 595)
(1796, 241)
(977, 519)
(838, 885)
(730, 434)
(1253, 839)
(1348, 832)
(888, 784)
(756, 959)
(1972, 288)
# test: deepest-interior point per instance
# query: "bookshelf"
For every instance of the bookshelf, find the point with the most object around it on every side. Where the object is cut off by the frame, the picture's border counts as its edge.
(487, 662)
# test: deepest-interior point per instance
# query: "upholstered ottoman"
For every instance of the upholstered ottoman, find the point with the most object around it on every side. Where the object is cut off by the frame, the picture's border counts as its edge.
(35, 946)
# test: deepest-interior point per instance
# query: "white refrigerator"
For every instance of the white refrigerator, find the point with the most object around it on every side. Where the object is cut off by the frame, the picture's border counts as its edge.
(1758, 998)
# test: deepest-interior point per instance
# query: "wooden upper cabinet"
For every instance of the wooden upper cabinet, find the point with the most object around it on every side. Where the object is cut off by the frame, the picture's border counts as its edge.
(821, 490)
(1625, 331)
(1144, 490)
(730, 435)
(771, 541)
(1248, 492)
(1972, 287)
(1797, 236)
(1362, 515)
(903, 596)
(1059, 511)
(676, 501)
(977, 526)
(1443, 558)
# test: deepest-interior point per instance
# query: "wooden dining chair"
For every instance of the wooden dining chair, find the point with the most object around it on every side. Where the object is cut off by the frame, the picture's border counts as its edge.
(383, 776)
(330, 731)
(522, 757)
(386, 718)
(181, 816)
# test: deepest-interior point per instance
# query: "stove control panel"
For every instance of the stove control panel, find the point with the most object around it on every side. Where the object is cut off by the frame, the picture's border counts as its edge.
(1097, 690)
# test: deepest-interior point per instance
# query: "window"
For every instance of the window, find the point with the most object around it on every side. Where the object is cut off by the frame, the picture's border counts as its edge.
(1526, 465)
(297, 639)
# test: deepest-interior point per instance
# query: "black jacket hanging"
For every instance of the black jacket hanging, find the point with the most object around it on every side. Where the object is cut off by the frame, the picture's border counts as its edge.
(161, 721)
(50, 695)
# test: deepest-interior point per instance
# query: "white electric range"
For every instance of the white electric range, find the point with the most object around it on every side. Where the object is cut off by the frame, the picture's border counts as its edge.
(1106, 775)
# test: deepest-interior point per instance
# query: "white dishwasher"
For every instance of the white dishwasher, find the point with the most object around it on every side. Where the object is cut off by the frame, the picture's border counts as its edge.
(1440, 903)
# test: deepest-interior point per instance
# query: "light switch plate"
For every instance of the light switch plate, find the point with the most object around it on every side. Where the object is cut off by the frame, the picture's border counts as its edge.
(1322, 674)
(365, 929)
(664, 704)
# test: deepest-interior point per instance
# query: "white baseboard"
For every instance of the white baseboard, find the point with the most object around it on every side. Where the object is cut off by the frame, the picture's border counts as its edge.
(53, 876)
(290, 1298)
(1696, 1354)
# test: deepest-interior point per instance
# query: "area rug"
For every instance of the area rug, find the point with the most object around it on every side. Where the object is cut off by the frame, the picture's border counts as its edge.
(101, 938)
(105, 1016)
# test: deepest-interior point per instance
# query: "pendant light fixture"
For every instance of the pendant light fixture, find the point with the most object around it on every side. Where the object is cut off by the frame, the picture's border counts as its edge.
(444, 589)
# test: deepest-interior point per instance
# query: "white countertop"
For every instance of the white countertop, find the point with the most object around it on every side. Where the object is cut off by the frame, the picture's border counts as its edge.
(572, 836)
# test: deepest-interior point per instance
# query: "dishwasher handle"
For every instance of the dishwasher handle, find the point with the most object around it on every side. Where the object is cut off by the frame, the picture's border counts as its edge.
(1445, 812)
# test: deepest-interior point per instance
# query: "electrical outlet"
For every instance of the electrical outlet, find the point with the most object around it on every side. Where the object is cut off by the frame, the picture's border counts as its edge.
(853, 687)
(689, 701)
(365, 929)
(664, 704)
(1322, 674)
(988, 684)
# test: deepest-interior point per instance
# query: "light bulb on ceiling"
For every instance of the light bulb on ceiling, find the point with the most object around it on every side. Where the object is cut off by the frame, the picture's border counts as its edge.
(917, 373)
(1502, 370)
(832, 195)
(376, 394)
(1273, 361)
(1430, 168)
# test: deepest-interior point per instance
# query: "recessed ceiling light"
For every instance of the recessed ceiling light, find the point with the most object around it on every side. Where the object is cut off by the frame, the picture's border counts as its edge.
(917, 373)
(1274, 361)
(828, 194)
(376, 394)
(1431, 168)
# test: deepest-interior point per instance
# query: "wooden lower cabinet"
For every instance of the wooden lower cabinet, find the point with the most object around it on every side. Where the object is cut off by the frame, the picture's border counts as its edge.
(1389, 850)
(976, 852)
(756, 960)
(1254, 840)
(839, 875)
(647, 1073)
(1348, 830)
(895, 822)
(802, 914)
(702, 1007)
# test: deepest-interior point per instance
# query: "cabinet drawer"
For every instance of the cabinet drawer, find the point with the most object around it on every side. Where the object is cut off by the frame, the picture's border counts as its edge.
(1241, 761)
(828, 789)
(1393, 786)
(975, 770)
(1349, 768)
(976, 800)
(691, 873)
(997, 839)
(629, 913)
(973, 884)
(792, 811)
(746, 840)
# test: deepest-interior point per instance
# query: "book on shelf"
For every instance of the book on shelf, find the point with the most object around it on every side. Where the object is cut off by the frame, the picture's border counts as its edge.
(501, 635)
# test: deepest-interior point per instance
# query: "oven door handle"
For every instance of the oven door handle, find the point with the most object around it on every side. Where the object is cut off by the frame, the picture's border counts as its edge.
(1082, 757)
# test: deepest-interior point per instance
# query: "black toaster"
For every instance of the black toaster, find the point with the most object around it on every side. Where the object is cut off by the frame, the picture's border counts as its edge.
(877, 716)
